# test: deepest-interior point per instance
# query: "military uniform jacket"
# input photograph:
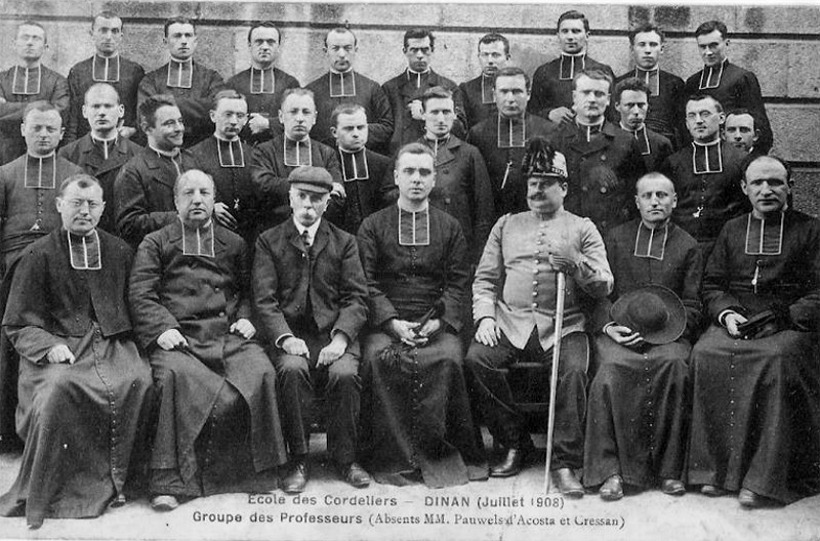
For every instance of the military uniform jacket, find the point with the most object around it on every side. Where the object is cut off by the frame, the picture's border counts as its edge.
(602, 173)
(264, 104)
(665, 115)
(80, 80)
(402, 89)
(293, 285)
(194, 103)
(369, 95)
(86, 154)
(549, 92)
(53, 89)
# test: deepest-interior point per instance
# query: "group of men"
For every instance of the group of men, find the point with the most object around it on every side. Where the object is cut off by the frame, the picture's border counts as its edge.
(277, 239)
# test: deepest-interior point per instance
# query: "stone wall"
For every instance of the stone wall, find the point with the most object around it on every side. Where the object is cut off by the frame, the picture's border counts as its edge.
(780, 44)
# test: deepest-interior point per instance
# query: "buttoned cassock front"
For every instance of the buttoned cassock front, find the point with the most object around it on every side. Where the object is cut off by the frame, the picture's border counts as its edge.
(88, 155)
(265, 104)
(473, 94)
(549, 91)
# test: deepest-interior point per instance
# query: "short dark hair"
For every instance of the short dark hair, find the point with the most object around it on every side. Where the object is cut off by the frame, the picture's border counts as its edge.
(148, 109)
(83, 180)
(227, 94)
(710, 26)
(296, 92)
(435, 92)
(645, 27)
(744, 111)
(264, 24)
(29, 22)
(342, 30)
(753, 157)
(347, 108)
(106, 14)
(493, 37)
(101, 86)
(419, 33)
(572, 15)
(40, 105)
(701, 97)
(177, 20)
(513, 71)
(593, 73)
(414, 148)
(630, 83)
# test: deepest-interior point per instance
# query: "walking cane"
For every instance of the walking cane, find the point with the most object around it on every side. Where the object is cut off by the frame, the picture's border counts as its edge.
(556, 353)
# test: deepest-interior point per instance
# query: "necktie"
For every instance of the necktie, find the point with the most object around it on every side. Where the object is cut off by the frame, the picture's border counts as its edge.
(306, 239)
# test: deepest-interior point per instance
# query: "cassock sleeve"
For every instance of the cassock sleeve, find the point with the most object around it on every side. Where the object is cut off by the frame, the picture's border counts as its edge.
(380, 127)
(457, 278)
(716, 278)
(381, 309)
(483, 208)
(74, 114)
(268, 180)
(60, 97)
(690, 295)
(489, 275)
(805, 311)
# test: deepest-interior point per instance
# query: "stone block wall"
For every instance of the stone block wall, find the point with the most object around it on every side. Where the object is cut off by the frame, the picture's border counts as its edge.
(779, 43)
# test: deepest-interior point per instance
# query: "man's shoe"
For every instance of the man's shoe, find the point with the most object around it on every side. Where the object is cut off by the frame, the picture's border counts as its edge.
(673, 487)
(164, 502)
(354, 475)
(296, 480)
(119, 501)
(511, 465)
(612, 489)
(750, 500)
(712, 491)
(568, 484)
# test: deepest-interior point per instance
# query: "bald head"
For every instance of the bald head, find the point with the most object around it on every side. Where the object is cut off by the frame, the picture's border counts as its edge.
(194, 197)
(103, 110)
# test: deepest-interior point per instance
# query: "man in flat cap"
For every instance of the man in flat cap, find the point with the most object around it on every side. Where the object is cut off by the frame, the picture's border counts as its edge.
(309, 293)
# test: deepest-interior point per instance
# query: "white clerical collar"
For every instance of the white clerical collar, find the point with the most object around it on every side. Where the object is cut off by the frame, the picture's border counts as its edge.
(652, 79)
(297, 153)
(487, 89)
(40, 172)
(198, 241)
(764, 236)
(105, 69)
(435, 142)
(571, 64)
(174, 156)
(414, 226)
(707, 157)
(105, 144)
(84, 251)
(311, 231)
(27, 81)
(650, 242)
(180, 73)
(511, 132)
(419, 75)
(590, 129)
(711, 76)
(342, 83)
(641, 136)
(263, 80)
(354, 165)
(229, 151)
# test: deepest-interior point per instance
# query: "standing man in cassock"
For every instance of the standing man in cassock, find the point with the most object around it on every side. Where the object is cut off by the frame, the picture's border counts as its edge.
(665, 90)
(27, 82)
(144, 188)
(367, 176)
(28, 191)
(553, 82)
(104, 150)
(706, 174)
(418, 425)
(756, 415)
(514, 302)
(405, 89)
(632, 104)
(83, 385)
(263, 83)
(218, 424)
(342, 84)
(228, 159)
(106, 66)
(729, 84)
(309, 293)
(501, 139)
(603, 162)
(276, 159)
(479, 93)
(192, 84)
(636, 429)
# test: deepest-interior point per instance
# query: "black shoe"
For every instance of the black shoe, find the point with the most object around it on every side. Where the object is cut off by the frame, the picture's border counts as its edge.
(354, 475)
(568, 484)
(297, 479)
(511, 465)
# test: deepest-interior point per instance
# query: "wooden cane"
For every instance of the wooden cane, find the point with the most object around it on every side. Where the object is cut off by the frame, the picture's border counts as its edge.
(556, 353)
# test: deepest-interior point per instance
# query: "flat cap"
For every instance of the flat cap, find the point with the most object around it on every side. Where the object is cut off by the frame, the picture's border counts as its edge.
(315, 179)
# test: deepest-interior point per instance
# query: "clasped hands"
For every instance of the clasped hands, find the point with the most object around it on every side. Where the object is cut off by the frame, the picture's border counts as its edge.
(411, 334)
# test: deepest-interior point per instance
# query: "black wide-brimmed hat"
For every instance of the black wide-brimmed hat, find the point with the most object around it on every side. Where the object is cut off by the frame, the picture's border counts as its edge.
(653, 311)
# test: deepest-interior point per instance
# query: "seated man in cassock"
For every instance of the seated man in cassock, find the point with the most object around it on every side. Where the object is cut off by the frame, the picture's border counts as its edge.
(638, 400)
(277, 158)
(514, 303)
(218, 422)
(102, 151)
(756, 409)
(417, 420)
(83, 385)
(309, 293)
(227, 159)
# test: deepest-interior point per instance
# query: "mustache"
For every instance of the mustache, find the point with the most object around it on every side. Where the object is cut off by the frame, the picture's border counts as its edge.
(537, 197)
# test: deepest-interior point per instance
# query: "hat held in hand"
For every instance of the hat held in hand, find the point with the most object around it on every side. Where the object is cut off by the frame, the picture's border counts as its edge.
(653, 311)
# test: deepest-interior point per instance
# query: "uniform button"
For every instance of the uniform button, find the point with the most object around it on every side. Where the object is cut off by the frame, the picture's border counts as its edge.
(535, 271)
(534, 293)
(584, 188)
(221, 314)
(603, 189)
(535, 305)
(535, 283)
(603, 157)
(537, 262)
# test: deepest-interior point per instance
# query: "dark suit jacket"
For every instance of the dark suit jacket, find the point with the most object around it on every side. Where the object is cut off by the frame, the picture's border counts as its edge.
(83, 153)
(285, 273)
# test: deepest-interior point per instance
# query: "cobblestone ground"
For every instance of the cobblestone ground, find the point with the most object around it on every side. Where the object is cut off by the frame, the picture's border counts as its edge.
(499, 509)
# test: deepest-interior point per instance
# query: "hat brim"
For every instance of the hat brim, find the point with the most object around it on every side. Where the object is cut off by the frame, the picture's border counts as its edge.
(310, 187)
(675, 324)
